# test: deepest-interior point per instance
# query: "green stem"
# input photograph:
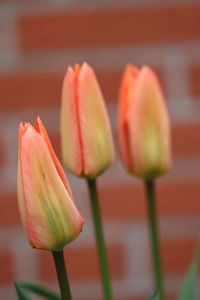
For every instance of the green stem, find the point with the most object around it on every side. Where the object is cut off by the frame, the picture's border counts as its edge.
(62, 275)
(153, 227)
(100, 244)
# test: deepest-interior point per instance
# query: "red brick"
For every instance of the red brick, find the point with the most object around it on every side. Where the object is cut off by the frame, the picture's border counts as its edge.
(122, 202)
(186, 139)
(23, 91)
(178, 255)
(109, 82)
(50, 31)
(9, 215)
(195, 80)
(6, 263)
(26, 90)
(78, 265)
(174, 199)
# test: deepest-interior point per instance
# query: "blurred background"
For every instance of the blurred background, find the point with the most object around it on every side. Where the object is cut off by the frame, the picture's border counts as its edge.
(38, 41)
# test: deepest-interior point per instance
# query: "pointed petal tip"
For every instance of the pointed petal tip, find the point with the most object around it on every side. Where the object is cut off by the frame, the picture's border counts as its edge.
(147, 71)
(86, 67)
(38, 120)
(74, 71)
(147, 74)
(145, 67)
(37, 124)
(131, 69)
(77, 69)
(69, 70)
(23, 127)
(69, 75)
(130, 73)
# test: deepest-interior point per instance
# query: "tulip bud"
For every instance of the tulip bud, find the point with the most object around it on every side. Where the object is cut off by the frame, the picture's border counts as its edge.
(144, 129)
(47, 210)
(87, 145)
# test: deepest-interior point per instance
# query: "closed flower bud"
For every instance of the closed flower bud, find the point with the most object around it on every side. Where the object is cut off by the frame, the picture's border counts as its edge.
(144, 127)
(47, 210)
(87, 145)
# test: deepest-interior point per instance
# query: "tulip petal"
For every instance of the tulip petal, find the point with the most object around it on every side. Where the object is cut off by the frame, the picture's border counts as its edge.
(20, 193)
(126, 99)
(70, 130)
(97, 146)
(41, 129)
(49, 215)
(149, 127)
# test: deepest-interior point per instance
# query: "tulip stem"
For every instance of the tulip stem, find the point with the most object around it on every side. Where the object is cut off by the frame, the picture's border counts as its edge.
(62, 275)
(100, 243)
(155, 249)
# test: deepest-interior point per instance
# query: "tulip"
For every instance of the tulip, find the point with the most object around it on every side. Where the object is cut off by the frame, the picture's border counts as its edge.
(144, 130)
(87, 145)
(48, 213)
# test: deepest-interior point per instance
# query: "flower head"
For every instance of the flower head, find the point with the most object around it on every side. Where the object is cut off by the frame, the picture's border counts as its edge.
(48, 213)
(87, 145)
(144, 127)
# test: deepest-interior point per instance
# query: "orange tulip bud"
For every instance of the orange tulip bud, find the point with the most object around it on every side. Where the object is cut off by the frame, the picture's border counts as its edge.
(47, 210)
(144, 129)
(87, 145)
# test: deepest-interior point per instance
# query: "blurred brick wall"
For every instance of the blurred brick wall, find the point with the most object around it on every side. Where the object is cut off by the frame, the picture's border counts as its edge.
(38, 40)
